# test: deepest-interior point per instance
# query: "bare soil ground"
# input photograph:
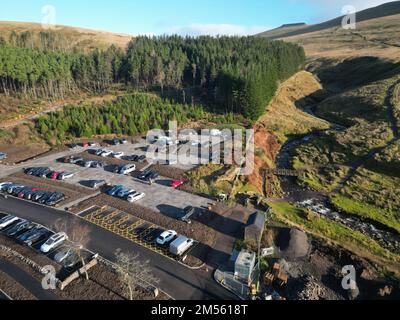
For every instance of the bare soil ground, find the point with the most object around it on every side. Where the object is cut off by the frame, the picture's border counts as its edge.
(71, 192)
(17, 154)
(322, 264)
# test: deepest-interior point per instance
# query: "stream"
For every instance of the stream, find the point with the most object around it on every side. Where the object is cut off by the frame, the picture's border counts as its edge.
(319, 203)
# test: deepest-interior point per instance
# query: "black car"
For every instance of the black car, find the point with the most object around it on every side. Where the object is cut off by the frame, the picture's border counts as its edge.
(41, 172)
(144, 175)
(38, 195)
(20, 228)
(37, 234)
(95, 184)
(133, 158)
(57, 197)
(116, 142)
(17, 190)
(45, 197)
(141, 159)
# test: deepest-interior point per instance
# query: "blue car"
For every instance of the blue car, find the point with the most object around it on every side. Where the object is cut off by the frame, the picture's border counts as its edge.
(115, 190)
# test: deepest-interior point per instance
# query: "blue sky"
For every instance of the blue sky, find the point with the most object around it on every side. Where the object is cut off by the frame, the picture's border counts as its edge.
(180, 16)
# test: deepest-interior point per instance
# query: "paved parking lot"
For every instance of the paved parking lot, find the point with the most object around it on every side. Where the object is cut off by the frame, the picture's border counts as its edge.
(160, 197)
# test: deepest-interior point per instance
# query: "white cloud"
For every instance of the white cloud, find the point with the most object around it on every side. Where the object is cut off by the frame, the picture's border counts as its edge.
(198, 29)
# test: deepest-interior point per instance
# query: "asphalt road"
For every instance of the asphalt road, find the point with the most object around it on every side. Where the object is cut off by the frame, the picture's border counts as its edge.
(178, 281)
(26, 280)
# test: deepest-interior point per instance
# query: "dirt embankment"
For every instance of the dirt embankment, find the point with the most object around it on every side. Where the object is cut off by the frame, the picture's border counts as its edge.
(283, 118)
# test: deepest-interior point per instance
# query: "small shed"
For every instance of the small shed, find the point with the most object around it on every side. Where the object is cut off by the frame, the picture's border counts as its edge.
(255, 227)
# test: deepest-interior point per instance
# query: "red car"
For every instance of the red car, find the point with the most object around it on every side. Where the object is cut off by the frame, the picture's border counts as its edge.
(177, 183)
(55, 175)
(86, 145)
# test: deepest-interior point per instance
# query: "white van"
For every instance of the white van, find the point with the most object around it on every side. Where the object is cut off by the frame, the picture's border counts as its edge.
(180, 245)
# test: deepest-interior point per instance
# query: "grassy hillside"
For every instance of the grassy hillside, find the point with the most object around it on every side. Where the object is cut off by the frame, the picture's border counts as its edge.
(377, 34)
(75, 37)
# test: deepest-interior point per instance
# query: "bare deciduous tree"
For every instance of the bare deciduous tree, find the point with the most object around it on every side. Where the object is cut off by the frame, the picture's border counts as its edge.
(78, 235)
(133, 272)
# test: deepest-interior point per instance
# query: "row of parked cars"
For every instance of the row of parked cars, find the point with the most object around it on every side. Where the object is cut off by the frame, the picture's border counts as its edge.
(84, 163)
(128, 194)
(119, 155)
(40, 238)
(33, 194)
(44, 172)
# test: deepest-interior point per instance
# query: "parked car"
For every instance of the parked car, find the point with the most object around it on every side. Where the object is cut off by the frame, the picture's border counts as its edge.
(133, 158)
(4, 186)
(180, 245)
(99, 152)
(85, 145)
(128, 169)
(89, 163)
(15, 189)
(65, 176)
(53, 175)
(118, 155)
(62, 254)
(31, 193)
(55, 198)
(53, 242)
(177, 183)
(45, 197)
(135, 197)
(92, 144)
(96, 184)
(3, 156)
(42, 172)
(7, 221)
(115, 190)
(144, 175)
(141, 159)
(166, 237)
(75, 160)
(35, 236)
(20, 228)
(123, 193)
(36, 196)
(124, 141)
(116, 142)
(27, 193)
(114, 169)
(97, 164)
(106, 153)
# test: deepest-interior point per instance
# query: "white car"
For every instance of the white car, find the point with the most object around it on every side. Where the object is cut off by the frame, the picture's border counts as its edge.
(53, 242)
(128, 169)
(106, 153)
(166, 237)
(135, 197)
(7, 220)
(65, 176)
(118, 155)
(99, 152)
